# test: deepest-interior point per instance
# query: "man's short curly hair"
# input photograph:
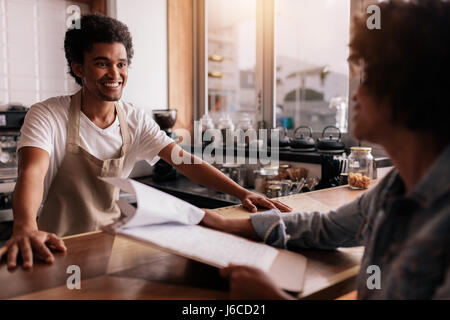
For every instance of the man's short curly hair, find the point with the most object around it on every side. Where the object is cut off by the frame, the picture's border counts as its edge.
(95, 28)
(407, 62)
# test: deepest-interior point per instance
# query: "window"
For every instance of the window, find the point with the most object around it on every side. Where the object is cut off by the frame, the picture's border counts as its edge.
(231, 41)
(289, 65)
(311, 50)
(32, 62)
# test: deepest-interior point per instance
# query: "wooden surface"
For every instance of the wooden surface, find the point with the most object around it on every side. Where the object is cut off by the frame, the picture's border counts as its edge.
(118, 268)
(96, 6)
(349, 296)
(180, 37)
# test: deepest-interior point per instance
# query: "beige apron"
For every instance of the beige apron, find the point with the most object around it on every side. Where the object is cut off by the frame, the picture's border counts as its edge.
(78, 201)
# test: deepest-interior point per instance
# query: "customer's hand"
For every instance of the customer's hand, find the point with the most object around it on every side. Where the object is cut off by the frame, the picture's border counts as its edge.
(251, 283)
(239, 226)
(251, 201)
(214, 220)
(29, 243)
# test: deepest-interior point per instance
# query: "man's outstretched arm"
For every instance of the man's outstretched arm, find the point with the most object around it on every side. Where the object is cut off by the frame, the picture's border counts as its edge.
(27, 198)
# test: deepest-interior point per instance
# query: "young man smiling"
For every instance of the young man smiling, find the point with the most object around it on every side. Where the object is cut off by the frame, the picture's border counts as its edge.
(68, 142)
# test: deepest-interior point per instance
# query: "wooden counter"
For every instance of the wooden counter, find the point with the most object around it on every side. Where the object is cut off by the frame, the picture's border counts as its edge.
(118, 268)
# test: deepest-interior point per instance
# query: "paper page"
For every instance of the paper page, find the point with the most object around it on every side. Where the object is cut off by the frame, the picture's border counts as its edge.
(206, 245)
(156, 207)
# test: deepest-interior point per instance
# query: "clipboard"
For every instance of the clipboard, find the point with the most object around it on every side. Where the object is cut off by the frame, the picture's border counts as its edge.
(212, 247)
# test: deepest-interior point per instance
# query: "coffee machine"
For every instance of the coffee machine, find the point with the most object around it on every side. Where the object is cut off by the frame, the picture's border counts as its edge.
(166, 119)
(11, 121)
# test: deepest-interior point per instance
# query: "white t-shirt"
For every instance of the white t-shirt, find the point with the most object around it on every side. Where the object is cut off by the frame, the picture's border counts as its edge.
(45, 127)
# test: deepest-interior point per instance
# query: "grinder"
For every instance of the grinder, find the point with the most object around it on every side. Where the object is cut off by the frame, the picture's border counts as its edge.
(166, 119)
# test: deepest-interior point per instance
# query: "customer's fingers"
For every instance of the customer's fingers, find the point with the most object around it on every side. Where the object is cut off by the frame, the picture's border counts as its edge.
(26, 252)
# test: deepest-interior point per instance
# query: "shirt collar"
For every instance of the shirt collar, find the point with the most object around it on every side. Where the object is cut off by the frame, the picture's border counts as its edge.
(394, 188)
(436, 181)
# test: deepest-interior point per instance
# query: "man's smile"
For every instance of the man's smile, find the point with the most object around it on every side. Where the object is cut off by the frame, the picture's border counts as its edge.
(111, 84)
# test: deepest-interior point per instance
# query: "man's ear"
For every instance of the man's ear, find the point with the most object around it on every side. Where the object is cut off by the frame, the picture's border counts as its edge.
(77, 68)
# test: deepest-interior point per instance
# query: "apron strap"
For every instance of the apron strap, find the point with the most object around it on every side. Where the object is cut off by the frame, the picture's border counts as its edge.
(125, 132)
(73, 125)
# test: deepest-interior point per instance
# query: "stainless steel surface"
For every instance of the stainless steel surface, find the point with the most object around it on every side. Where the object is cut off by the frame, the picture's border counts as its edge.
(9, 133)
(6, 215)
(6, 187)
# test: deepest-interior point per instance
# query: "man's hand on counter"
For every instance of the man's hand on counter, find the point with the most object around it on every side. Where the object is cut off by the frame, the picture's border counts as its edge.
(205, 174)
(251, 201)
(29, 242)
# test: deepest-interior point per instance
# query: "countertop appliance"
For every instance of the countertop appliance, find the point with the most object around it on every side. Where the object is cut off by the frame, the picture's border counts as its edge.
(303, 143)
(166, 119)
(10, 123)
(284, 141)
(330, 144)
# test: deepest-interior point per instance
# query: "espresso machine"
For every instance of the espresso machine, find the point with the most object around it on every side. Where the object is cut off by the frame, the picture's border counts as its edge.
(11, 121)
(163, 172)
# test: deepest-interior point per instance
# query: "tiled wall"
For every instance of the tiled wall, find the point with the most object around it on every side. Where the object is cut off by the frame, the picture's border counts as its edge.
(32, 61)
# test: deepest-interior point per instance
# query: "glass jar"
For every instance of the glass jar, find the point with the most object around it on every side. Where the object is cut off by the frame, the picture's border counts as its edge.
(274, 191)
(268, 175)
(206, 123)
(226, 127)
(360, 167)
(283, 171)
(258, 181)
(237, 173)
(244, 125)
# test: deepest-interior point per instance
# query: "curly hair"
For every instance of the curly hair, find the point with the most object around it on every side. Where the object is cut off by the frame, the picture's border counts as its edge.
(407, 62)
(95, 28)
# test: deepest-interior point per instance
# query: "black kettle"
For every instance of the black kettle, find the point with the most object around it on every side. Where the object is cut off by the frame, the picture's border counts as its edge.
(283, 140)
(303, 143)
(330, 144)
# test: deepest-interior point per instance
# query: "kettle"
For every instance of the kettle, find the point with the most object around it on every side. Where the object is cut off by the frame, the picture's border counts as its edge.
(302, 143)
(330, 144)
(283, 141)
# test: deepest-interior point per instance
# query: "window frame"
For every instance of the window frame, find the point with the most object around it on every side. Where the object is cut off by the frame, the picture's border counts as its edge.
(265, 73)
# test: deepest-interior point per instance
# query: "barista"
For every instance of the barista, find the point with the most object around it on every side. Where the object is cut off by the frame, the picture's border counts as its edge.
(67, 142)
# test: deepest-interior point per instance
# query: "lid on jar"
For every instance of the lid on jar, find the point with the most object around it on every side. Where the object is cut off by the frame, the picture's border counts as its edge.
(231, 165)
(284, 166)
(225, 121)
(270, 167)
(206, 122)
(366, 149)
(274, 187)
(245, 122)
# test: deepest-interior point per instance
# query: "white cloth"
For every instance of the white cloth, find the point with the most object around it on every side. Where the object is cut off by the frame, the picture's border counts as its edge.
(45, 127)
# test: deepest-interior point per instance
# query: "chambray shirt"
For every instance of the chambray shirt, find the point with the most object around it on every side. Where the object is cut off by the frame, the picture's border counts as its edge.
(406, 235)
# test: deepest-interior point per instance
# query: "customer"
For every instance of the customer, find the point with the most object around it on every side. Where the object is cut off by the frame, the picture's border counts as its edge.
(404, 221)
